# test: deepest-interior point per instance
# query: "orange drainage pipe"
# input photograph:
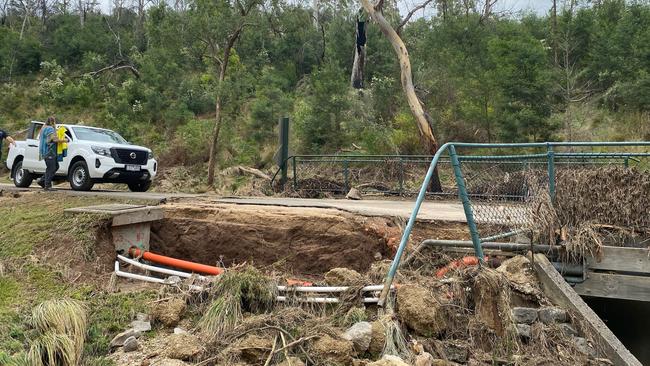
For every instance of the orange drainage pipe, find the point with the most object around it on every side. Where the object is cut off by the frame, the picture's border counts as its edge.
(173, 262)
(464, 262)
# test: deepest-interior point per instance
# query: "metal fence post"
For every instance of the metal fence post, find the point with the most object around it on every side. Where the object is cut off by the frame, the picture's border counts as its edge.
(346, 174)
(401, 177)
(626, 162)
(295, 174)
(467, 205)
(284, 148)
(550, 156)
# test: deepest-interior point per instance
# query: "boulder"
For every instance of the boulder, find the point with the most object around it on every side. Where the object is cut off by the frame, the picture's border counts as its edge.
(360, 335)
(377, 338)
(343, 277)
(292, 361)
(521, 275)
(118, 340)
(550, 315)
(583, 346)
(389, 360)
(568, 329)
(178, 330)
(524, 315)
(353, 194)
(131, 344)
(253, 349)
(455, 351)
(333, 351)
(169, 312)
(523, 331)
(184, 347)
(419, 310)
(424, 359)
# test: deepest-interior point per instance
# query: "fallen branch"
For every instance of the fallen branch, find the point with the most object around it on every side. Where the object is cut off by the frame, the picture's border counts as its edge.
(115, 67)
(242, 170)
(294, 343)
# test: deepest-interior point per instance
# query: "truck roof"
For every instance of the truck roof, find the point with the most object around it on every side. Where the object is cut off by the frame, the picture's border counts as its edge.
(67, 125)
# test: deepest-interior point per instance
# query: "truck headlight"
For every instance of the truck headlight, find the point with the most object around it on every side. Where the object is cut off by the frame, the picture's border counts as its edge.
(150, 155)
(101, 150)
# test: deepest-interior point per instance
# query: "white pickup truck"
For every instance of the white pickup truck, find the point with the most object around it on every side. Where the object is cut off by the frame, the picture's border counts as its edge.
(95, 155)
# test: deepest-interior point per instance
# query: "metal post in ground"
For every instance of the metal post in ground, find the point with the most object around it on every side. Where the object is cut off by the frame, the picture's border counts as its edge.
(401, 177)
(550, 156)
(295, 174)
(284, 148)
(467, 205)
(346, 175)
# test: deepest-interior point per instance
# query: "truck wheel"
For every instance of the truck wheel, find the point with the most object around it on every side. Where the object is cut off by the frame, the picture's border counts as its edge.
(140, 186)
(79, 177)
(22, 178)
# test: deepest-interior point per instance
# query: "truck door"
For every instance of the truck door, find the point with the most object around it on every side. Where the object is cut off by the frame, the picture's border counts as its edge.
(31, 161)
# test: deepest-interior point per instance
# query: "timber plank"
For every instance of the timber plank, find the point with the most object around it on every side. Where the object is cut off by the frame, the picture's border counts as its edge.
(615, 286)
(562, 294)
(621, 259)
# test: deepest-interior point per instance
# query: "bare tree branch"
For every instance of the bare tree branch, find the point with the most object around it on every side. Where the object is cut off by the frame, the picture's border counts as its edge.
(410, 14)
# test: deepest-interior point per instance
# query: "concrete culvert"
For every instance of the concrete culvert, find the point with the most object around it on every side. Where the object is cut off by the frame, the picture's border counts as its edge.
(302, 241)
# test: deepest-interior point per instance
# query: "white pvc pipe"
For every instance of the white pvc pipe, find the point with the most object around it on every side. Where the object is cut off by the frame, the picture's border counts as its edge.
(134, 276)
(327, 300)
(158, 269)
(329, 289)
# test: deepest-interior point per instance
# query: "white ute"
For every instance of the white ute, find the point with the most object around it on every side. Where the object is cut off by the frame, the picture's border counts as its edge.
(95, 155)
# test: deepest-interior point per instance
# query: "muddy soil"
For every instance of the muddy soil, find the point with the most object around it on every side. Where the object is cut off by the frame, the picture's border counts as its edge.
(304, 241)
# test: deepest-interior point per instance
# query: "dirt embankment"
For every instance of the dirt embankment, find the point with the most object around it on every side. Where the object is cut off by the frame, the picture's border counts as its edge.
(304, 241)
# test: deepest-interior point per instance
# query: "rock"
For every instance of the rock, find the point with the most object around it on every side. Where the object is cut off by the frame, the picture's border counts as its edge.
(131, 344)
(141, 325)
(292, 361)
(168, 362)
(424, 359)
(583, 346)
(524, 315)
(118, 340)
(178, 330)
(169, 313)
(377, 338)
(455, 351)
(182, 347)
(354, 194)
(550, 315)
(142, 317)
(439, 362)
(491, 301)
(253, 349)
(521, 275)
(419, 310)
(568, 329)
(343, 277)
(389, 360)
(360, 335)
(333, 351)
(523, 331)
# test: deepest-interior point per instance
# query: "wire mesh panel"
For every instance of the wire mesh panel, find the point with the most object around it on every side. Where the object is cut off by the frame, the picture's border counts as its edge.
(559, 192)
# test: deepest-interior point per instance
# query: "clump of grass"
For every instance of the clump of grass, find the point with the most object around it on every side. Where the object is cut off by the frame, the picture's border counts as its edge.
(355, 315)
(235, 291)
(61, 328)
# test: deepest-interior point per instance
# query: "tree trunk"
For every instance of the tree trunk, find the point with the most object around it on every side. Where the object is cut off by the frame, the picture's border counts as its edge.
(212, 162)
(424, 127)
(359, 65)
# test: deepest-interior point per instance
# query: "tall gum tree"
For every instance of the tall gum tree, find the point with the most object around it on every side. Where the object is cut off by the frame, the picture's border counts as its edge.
(219, 25)
(422, 119)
